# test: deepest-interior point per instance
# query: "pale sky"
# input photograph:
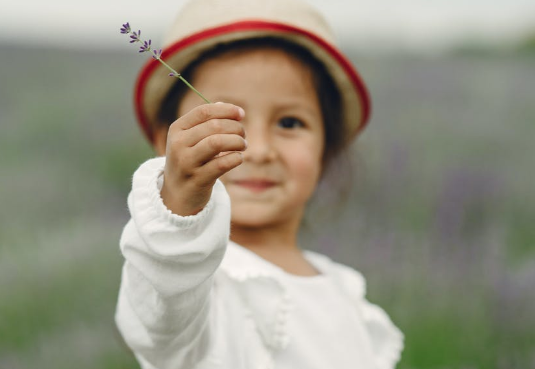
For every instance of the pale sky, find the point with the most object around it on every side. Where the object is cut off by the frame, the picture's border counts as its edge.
(409, 24)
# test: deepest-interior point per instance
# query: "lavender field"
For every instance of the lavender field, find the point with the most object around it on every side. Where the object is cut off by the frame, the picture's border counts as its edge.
(439, 217)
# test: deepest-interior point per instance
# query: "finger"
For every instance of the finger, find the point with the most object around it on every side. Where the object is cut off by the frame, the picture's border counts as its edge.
(216, 167)
(213, 145)
(206, 112)
(194, 135)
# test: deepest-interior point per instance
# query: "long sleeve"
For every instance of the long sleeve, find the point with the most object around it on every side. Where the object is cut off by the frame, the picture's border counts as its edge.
(164, 303)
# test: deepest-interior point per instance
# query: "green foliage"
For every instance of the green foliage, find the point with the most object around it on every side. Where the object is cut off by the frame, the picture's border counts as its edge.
(528, 45)
(439, 221)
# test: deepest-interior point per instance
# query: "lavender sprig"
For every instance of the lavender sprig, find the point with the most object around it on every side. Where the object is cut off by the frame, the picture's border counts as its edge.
(157, 55)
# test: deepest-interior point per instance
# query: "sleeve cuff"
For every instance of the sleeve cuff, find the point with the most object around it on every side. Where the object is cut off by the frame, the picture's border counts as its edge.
(148, 182)
(160, 227)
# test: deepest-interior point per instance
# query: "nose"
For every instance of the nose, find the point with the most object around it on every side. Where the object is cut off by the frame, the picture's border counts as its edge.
(260, 148)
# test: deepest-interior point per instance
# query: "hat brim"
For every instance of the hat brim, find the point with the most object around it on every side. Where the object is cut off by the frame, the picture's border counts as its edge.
(154, 83)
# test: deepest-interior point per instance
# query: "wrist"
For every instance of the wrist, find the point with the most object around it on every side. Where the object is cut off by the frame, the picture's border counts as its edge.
(182, 204)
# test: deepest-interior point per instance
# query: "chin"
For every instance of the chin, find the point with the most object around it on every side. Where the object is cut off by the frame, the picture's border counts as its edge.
(259, 217)
(251, 221)
(253, 217)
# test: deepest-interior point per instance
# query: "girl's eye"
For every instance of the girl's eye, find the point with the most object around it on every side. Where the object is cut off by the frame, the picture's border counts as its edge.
(290, 122)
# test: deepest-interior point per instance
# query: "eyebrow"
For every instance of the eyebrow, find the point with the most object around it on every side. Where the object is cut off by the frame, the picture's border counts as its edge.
(299, 104)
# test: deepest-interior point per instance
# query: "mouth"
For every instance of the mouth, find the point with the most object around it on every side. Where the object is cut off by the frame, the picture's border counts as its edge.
(255, 185)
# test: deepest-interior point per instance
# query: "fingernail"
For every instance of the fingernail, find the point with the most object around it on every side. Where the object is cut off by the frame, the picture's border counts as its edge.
(245, 141)
(219, 102)
(241, 112)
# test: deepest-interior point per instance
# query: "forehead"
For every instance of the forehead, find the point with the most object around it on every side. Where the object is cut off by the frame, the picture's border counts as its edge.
(282, 53)
(261, 73)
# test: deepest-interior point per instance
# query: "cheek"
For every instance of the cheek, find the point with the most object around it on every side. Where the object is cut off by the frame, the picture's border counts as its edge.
(306, 163)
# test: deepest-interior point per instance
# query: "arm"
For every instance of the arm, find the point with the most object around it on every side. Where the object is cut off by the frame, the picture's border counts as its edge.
(164, 302)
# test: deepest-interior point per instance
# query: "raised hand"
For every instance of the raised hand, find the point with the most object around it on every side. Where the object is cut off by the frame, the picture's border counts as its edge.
(201, 146)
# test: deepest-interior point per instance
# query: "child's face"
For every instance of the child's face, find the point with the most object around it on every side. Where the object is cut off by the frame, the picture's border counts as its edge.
(284, 131)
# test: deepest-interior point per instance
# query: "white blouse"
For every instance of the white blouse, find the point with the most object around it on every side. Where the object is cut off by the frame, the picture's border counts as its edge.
(190, 298)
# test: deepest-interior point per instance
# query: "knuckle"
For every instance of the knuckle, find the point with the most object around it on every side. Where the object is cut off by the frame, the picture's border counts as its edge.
(176, 140)
(217, 126)
(184, 162)
(173, 130)
(228, 162)
(176, 126)
(223, 164)
(173, 126)
(215, 142)
(176, 146)
(204, 112)
(236, 128)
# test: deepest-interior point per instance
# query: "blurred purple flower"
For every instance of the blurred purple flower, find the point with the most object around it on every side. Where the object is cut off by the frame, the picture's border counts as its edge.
(463, 203)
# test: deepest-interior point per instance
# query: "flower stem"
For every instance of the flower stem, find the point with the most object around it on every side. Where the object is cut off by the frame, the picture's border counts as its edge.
(146, 47)
(184, 80)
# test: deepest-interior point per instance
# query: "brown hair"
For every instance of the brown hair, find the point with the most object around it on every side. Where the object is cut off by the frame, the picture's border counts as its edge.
(328, 94)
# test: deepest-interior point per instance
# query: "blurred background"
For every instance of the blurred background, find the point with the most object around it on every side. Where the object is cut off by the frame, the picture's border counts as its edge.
(440, 214)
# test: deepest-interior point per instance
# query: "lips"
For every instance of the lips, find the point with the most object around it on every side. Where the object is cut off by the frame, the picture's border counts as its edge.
(255, 185)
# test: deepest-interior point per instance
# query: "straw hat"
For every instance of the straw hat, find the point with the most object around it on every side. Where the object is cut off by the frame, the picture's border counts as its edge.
(201, 24)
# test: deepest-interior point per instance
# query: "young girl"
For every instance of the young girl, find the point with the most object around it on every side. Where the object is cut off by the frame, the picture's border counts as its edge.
(214, 277)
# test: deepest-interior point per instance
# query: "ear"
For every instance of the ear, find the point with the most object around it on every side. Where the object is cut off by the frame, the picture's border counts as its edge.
(160, 140)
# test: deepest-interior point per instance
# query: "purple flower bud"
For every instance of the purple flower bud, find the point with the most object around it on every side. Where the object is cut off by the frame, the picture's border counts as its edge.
(125, 29)
(157, 54)
(145, 46)
(135, 36)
